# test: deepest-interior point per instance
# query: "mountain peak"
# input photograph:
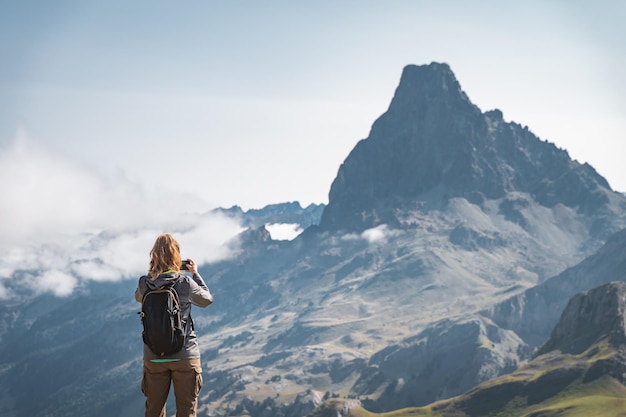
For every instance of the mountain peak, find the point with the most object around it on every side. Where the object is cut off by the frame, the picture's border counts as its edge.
(433, 144)
(425, 93)
(426, 84)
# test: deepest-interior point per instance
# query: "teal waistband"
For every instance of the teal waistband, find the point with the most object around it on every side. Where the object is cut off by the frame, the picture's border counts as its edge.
(163, 360)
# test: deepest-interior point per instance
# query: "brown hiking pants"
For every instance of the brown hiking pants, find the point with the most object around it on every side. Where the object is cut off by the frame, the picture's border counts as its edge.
(185, 374)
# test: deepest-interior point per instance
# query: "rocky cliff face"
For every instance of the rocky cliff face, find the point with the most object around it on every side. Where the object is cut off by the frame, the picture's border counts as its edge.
(590, 317)
(433, 144)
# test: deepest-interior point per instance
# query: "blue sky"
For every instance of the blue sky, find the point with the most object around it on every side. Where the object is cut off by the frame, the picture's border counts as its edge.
(252, 103)
(120, 120)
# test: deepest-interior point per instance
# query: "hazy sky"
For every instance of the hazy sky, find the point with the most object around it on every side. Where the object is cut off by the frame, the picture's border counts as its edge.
(251, 103)
(108, 109)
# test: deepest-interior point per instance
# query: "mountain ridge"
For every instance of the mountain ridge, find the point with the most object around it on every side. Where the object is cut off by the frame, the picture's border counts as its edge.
(289, 212)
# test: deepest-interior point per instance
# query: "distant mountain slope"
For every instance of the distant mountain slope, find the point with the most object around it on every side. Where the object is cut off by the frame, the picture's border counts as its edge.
(533, 313)
(77, 356)
(580, 371)
(447, 358)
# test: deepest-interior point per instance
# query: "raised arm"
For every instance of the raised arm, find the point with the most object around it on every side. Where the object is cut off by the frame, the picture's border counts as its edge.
(199, 293)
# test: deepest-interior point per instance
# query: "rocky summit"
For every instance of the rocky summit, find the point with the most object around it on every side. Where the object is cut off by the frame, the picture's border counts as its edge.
(433, 144)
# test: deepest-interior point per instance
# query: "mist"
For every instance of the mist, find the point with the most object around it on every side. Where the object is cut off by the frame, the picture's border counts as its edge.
(63, 224)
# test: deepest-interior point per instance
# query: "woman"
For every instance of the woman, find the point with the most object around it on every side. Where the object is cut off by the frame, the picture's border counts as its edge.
(183, 368)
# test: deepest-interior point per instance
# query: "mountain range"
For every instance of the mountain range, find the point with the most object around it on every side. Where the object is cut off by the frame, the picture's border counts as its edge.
(451, 243)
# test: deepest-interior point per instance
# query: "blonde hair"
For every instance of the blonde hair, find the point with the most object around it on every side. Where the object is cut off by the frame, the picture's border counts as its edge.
(164, 256)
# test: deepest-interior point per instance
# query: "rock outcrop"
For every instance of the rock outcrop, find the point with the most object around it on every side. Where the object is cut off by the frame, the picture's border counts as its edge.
(589, 318)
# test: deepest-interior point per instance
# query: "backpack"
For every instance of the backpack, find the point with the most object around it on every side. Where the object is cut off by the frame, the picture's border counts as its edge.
(163, 328)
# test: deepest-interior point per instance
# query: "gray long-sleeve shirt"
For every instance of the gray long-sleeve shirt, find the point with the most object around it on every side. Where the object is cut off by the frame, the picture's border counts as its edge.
(191, 290)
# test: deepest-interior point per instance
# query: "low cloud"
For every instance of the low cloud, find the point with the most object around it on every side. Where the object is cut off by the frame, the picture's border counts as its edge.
(379, 234)
(63, 225)
(283, 231)
(374, 236)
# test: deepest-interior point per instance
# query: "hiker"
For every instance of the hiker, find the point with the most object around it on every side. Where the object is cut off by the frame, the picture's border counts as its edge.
(182, 368)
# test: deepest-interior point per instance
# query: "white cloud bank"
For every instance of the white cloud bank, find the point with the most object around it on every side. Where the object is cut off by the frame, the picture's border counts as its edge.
(62, 225)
